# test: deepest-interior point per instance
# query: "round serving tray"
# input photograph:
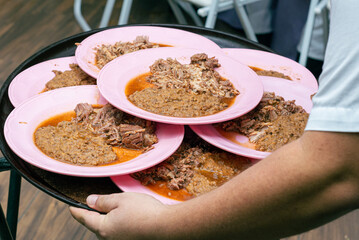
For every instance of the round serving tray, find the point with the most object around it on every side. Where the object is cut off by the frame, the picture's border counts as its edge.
(74, 190)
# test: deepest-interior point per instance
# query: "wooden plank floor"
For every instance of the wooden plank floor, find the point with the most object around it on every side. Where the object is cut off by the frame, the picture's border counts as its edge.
(28, 26)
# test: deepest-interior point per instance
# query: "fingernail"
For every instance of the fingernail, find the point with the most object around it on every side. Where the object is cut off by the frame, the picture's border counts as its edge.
(91, 200)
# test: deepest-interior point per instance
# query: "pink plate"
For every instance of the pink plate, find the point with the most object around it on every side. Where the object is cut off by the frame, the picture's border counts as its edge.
(31, 81)
(85, 53)
(22, 122)
(271, 61)
(128, 184)
(114, 77)
(287, 89)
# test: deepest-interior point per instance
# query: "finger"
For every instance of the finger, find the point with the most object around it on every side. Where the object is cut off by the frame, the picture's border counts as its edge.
(89, 219)
(104, 203)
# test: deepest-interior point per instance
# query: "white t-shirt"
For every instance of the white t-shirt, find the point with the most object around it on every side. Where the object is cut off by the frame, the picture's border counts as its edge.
(336, 105)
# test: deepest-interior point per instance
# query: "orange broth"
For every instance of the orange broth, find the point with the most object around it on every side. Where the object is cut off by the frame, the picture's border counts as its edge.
(161, 188)
(137, 84)
(232, 137)
(256, 69)
(123, 154)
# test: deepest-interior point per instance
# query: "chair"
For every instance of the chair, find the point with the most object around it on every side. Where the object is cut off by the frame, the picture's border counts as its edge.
(317, 7)
(123, 19)
(206, 8)
(210, 9)
(5, 232)
(8, 227)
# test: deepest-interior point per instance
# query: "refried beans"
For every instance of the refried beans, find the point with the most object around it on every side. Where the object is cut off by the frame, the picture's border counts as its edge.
(185, 90)
(74, 143)
(270, 73)
(270, 125)
(89, 138)
(177, 102)
(285, 129)
(73, 77)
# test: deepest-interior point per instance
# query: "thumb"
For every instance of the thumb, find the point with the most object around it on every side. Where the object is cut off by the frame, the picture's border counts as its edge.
(89, 219)
(103, 203)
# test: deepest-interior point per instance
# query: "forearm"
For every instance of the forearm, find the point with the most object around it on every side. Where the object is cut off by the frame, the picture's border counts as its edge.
(296, 188)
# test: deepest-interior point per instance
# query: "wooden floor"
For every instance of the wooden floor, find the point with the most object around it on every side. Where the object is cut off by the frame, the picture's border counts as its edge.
(28, 26)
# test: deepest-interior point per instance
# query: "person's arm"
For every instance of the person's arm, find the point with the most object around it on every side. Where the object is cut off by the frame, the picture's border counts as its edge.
(302, 185)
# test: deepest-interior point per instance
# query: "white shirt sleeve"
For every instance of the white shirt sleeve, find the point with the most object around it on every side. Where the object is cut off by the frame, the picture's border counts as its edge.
(336, 105)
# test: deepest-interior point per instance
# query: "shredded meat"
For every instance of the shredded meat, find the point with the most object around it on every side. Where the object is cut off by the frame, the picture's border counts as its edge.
(202, 59)
(194, 169)
(199, 76)
(73, 77)
(185, 90)
(177, 170)
(254, 124)
(108, 52)
(116, 127)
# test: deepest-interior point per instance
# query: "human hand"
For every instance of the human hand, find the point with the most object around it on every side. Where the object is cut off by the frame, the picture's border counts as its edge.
(125, 215)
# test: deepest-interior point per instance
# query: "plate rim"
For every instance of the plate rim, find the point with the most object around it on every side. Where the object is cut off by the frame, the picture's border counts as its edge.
(12, 90)
(86, 44)
(255, 89)
(310, 80)
(126, 182)
(76, 170)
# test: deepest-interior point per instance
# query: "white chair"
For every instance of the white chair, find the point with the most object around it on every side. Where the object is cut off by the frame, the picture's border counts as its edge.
(206, 8)
(210, 9)
(123, 19)
(316, 8)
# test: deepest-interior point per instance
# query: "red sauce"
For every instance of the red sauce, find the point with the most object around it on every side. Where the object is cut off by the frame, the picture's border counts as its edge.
(137, 84)
(256, 69)
(162, 189)
(53, 121)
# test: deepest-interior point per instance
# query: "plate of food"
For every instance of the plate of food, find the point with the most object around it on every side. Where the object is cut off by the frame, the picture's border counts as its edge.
(46, 76)
(94, 52)
(279, 118)
(74, 131)
(180, 86)
(273, 65)
(191, 171)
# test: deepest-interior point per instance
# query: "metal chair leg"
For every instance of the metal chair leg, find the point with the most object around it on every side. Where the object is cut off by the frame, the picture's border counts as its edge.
(4, 165)
(125, 12)
(188, 8)
(243, 17)
(308, 30)
(4, 227)
(107, 13)
(323, 10)
(177, 12)
(13, 202)
(212, 14)
(78, 15)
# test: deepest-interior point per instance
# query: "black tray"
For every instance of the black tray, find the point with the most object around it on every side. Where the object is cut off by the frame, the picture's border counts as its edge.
(74, 190)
